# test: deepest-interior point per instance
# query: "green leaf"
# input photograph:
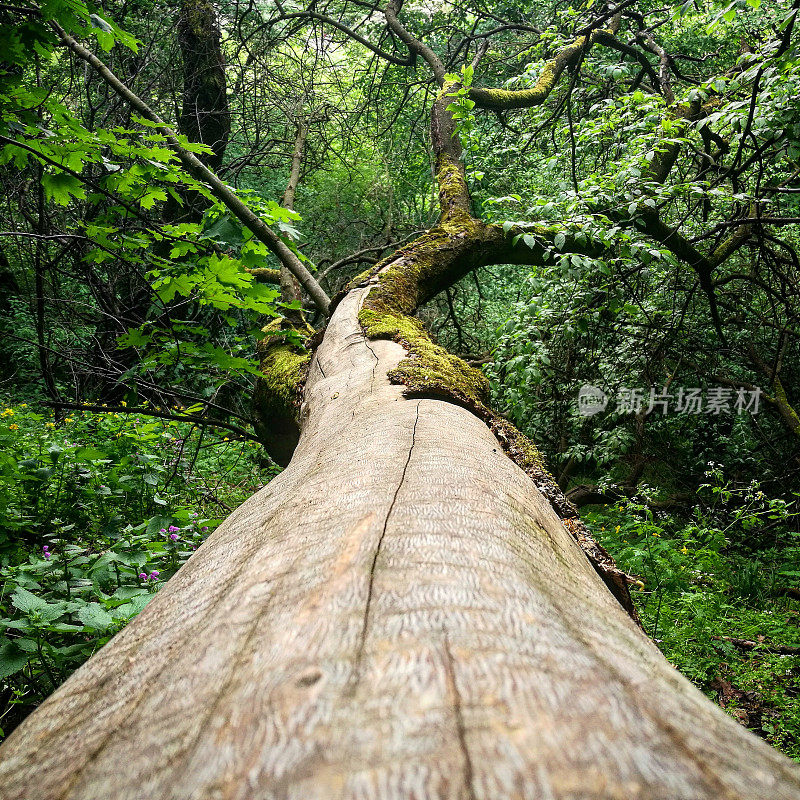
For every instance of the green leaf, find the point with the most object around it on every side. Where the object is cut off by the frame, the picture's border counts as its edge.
(12, 659)
(98, 22)
(61, 188)
(93, 615)
(26, 601)
(89, 454)
(150, 198)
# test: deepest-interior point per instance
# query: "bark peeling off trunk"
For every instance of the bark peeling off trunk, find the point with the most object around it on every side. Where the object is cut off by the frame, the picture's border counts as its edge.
(398, 614)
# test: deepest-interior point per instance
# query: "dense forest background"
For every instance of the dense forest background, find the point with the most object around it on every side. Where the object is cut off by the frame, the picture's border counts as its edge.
(666, 159)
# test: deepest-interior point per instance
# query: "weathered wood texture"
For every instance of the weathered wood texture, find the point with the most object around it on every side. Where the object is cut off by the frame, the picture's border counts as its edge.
(398, 615)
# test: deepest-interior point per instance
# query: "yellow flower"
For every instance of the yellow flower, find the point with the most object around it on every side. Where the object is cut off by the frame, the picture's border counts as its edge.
(658, 535)
(123, 404)
(13, 427)
(684, 550)
(8, 412)
(616, 530)
(49, 424)
(24, 405)
(226, 439)
(69, 419)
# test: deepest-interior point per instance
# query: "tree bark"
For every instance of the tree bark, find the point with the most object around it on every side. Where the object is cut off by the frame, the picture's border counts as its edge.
(205, 116)
(399, 614)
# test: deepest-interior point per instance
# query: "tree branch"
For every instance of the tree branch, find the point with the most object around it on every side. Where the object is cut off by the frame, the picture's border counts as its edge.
(195, 167)
(150, 412)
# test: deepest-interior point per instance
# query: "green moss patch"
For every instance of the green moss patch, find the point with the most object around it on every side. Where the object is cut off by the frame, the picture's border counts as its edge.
(278, 393)
(429, 369)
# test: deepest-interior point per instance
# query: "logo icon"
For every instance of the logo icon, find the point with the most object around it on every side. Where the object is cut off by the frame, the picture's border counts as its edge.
(591, 400)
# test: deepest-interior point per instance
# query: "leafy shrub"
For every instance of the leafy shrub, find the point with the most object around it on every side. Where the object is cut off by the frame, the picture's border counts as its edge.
(97, 512)
(724, 573)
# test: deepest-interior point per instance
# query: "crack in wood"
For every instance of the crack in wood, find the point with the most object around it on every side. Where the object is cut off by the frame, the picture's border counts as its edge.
(370, 588)
(458, 714)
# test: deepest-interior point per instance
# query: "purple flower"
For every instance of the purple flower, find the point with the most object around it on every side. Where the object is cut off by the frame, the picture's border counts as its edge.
(204, 528)
(173, 536)
(194, 513)
(143, 576)
(173, 529)
(163, 530)
(47, 556)
(46, 548)
(154, 575)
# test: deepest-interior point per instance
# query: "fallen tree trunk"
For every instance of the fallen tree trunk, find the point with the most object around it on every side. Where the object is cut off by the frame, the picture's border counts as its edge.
(405, 611)
(399, 614)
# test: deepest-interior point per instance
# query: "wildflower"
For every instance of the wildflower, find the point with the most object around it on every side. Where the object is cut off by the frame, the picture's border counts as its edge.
(13, 427)
(7, 412)
(174, 537)
(163, 530)
(154, 575)
(204, 528)
(657, 534)
(46, 552)
(616, 530)
(173, 529)
(47, 556)
(143, 576)
(49, 424)
(193, 514)
(123, 404)
(24, 405)
(69, 419)
(684, 550)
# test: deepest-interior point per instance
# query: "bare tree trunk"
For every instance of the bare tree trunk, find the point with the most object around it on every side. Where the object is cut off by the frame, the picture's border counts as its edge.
(399, 614)
(290, 286)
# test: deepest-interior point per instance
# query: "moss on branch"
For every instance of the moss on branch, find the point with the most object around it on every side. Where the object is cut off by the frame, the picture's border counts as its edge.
(429, 370)
(265, 275)
(278, 394)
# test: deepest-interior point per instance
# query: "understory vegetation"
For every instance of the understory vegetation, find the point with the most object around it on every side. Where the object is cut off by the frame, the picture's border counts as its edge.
(649, 188)
(99, 511)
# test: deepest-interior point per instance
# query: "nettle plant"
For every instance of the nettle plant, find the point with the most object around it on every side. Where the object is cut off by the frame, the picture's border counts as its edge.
(98, 511)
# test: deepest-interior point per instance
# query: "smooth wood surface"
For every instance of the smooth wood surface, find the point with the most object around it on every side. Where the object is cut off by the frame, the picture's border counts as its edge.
(399, 614)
